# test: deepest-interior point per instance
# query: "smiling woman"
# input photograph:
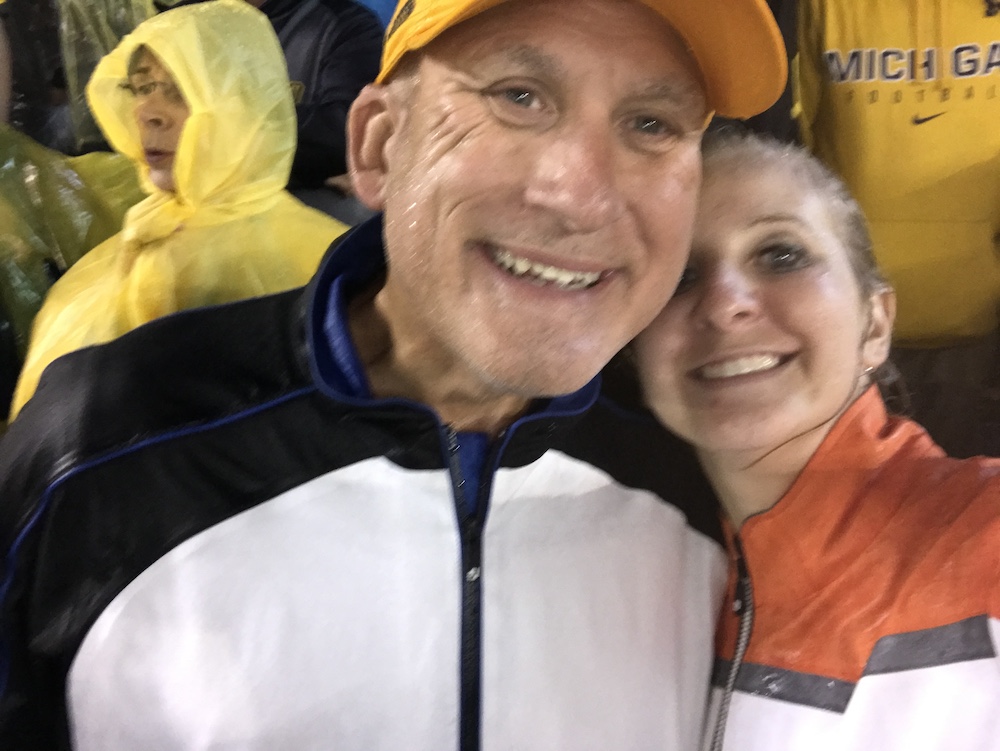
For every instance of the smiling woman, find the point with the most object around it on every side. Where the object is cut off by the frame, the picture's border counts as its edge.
(779, 319)
(863, 560)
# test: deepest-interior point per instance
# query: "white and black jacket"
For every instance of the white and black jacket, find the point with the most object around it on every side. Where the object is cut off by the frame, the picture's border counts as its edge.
(214, 540)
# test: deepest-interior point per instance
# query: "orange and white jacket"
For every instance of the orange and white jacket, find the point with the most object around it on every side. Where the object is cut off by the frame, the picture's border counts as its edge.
(871, 596)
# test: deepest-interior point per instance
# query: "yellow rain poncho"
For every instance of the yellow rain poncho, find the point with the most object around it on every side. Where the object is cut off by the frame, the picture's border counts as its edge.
(230, 230)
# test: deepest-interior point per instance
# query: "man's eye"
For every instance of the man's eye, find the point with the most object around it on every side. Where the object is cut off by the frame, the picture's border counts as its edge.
(652, 126)
(520, 97)
(519, 105)
(782, 257)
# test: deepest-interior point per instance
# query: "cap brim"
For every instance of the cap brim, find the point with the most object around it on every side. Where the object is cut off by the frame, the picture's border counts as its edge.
(736, 44)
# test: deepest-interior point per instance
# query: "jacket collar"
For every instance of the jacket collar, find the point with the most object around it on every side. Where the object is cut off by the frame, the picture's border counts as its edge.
(843, 503)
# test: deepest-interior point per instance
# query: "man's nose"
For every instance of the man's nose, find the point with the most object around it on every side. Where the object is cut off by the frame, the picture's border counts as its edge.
(729, 299)
(576, 178)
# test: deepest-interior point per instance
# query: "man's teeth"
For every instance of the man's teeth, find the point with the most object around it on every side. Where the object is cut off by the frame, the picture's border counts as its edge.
(543, 274)
(739, 366)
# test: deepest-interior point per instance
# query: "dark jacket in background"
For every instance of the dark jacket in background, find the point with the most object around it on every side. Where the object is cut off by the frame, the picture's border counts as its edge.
(332, 48)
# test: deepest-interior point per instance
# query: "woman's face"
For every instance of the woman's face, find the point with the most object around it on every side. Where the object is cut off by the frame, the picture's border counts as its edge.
(767, 337)
(160, 113)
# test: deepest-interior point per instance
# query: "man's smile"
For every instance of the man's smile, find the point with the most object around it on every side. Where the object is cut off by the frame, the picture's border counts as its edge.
(543, 274)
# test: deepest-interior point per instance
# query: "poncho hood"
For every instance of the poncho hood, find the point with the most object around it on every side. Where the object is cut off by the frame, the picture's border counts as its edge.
(235, 151)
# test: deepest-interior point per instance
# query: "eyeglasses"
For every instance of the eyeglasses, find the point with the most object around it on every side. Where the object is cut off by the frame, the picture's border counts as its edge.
(145, 89)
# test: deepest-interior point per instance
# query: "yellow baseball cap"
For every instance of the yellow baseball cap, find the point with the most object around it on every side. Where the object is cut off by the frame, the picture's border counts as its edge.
(736, 44)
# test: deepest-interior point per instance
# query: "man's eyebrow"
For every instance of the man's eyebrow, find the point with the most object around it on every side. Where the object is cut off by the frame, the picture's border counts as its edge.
(531, 58)
(141, 70)
(672, 90)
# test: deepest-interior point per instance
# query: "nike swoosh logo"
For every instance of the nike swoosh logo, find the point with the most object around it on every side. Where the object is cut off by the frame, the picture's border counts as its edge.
(921, 120)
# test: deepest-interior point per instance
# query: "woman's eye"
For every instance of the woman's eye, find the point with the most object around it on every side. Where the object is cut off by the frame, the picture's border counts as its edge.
(782, 257)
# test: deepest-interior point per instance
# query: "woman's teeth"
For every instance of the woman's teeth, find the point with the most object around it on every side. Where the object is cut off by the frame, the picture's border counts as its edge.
(543, 274)
(739, 366)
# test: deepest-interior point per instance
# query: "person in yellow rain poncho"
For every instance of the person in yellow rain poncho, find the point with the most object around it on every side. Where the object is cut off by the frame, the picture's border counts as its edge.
(199, 98)
(53, 209)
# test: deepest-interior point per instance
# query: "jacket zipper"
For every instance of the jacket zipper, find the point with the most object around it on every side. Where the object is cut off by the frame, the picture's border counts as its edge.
(471, 533)
(743, 606)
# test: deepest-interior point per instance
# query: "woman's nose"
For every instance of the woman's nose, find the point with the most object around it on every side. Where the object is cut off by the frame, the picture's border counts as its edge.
(729, 298)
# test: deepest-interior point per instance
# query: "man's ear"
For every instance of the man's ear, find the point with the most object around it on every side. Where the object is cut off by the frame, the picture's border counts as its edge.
(371, 122)
(875, 348)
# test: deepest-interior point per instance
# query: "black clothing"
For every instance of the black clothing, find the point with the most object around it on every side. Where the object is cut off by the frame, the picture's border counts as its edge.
(332, 48)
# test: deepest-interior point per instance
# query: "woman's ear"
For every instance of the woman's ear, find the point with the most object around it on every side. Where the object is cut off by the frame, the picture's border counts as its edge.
(371, 122)
(875, 348)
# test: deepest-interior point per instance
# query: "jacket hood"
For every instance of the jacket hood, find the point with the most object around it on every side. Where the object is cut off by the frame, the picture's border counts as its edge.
(235, 151)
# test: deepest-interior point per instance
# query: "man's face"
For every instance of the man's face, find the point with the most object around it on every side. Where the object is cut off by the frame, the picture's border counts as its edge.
(539, 190)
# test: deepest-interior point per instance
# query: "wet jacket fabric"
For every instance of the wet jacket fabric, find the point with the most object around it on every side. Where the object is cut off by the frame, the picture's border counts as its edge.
(382, 8)
(53, 209)
(902, 99)
(230, 230)
(875, 593)
(222, 540)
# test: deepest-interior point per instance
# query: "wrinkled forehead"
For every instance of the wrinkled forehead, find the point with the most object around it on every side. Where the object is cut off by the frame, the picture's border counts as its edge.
(746, 171)
(739, 195)
(533, 36)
